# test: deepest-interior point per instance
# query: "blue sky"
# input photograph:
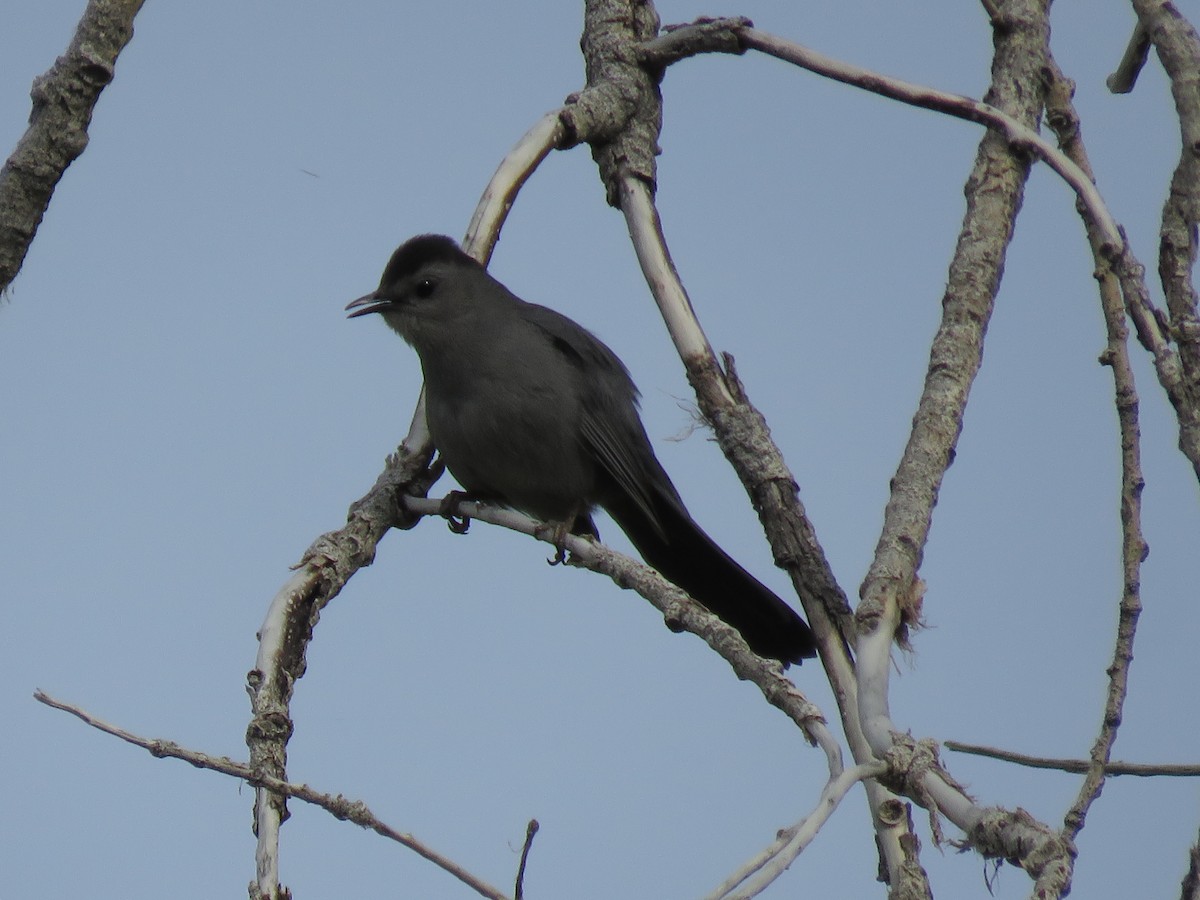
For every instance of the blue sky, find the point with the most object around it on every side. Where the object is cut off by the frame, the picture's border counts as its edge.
(187, 409)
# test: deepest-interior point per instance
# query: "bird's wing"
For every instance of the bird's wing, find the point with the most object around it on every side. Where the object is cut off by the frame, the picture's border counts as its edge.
(610, 427)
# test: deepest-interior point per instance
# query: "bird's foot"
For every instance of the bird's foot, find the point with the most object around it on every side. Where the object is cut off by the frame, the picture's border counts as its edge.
(449, 511)
(556, 533)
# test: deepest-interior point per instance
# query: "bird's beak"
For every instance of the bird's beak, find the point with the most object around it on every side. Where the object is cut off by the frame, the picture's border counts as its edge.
(370, 303)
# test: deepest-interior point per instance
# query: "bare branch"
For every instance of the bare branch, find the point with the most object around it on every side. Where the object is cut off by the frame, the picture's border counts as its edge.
(705, 35)
(1061, 114)
(63, 100)
(1077, 766)
(351, 810)
(1178, 47)
(1123, 79)
(645, 231)
(619, 113)
(765, 867)
(680, 611)
(892, 592)
(1017, 133)
(739, 427)
(333, 558)
(288, 626)
(1178, 373)
(530, 830)
(501, 192)
(746, 442)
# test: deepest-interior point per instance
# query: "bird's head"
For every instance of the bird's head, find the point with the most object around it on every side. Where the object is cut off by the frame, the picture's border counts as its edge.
(425, 290)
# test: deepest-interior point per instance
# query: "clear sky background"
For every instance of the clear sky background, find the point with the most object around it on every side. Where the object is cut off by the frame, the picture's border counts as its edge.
(186, 409)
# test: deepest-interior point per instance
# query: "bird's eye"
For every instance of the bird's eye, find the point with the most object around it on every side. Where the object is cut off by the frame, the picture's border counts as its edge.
(425, 287)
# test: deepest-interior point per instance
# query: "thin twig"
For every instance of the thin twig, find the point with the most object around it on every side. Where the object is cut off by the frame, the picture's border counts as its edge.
(1077, 766)
(1178, 371)
(957, 105)
(1061, 114)
(335, 804)
(1177, 45)
(530, 831)
(761, 870)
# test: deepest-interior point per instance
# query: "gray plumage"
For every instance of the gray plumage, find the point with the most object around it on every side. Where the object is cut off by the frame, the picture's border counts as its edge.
(530, 410)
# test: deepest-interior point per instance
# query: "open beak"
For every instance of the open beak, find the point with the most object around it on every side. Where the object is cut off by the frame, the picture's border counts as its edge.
(370, 303)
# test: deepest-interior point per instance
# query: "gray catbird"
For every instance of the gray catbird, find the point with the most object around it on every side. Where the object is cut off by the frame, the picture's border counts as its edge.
(530, 410)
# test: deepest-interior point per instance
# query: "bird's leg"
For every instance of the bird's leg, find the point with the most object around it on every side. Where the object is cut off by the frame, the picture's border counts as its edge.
(449, 508)
(556, 531)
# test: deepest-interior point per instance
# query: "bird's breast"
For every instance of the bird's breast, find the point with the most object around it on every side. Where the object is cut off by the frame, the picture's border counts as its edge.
(514, 438)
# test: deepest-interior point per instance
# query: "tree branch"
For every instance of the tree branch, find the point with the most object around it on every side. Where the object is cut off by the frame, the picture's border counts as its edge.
(501, 192)
(334, 557)
(739, 428)
(63, 100)
(1123, 79)
(679, 43)
(705, 35)
(338, 806)
(680, 611)
(765, 867)
(1062, 117)
(288, 627)
(530, 830)
(1178, 47)
(746, 442)
(891, 592)
(1077, 766)
(1180, 377)
(619, 113)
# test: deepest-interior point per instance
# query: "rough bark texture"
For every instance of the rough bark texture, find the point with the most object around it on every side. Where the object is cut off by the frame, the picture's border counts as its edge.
(63, 99)
(1062, 117)
(622, 102)
(1178, 47)
(994, 192)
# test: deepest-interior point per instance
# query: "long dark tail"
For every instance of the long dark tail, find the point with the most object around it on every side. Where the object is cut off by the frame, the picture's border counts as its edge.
(689, 558)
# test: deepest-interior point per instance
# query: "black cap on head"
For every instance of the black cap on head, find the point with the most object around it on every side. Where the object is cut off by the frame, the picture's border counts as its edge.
(410, 257)
(419, 251)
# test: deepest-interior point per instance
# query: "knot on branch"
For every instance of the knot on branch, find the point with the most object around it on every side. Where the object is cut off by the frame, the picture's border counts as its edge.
(96, 66)
(910, 763)
(705, 35)
(597, 114)
(621, 92)
(270, 727)
(349, 810)
(1022, 840)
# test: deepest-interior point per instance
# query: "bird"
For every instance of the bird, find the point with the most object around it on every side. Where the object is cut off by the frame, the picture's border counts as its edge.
(528, 409)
